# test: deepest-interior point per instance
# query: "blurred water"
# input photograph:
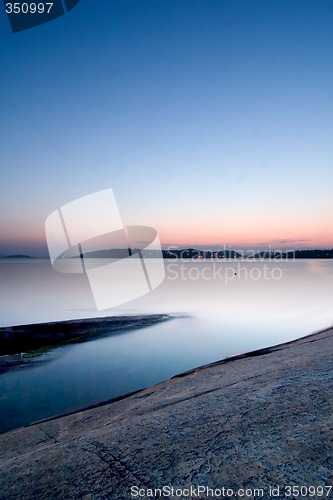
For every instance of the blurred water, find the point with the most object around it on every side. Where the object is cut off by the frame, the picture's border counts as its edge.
(226, 313)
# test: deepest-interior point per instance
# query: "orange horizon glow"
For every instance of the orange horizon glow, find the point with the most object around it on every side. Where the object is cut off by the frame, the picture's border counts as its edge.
(188, 240)
(256, 241)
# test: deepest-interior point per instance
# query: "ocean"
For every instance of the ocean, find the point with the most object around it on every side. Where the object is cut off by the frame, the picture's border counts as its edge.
(220, 308)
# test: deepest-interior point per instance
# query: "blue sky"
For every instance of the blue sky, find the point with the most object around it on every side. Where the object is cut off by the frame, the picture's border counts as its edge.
(211, 120)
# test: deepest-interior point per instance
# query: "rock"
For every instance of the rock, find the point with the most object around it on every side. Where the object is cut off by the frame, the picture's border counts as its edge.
(260, 420)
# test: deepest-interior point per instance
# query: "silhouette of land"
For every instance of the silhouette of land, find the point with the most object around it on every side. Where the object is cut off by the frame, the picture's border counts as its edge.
(193, 253)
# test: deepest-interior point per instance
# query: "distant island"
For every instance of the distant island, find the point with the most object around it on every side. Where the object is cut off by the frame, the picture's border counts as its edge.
(16, 256)
(193, 253)
(184, 253)
(297, 254)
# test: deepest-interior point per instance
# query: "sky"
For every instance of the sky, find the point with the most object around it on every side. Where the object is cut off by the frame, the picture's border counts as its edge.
(211, 120)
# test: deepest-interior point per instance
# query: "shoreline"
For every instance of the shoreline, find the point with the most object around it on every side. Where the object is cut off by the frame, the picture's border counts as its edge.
(237, 423)
(32, 343)
(311, 337)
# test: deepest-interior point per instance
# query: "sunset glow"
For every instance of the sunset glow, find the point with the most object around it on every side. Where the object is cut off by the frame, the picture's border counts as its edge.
(215, 128)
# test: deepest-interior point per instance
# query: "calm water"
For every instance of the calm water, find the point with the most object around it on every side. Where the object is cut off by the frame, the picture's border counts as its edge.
(262, 304)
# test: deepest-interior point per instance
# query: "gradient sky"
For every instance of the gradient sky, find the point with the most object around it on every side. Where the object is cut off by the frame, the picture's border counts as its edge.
(211, 120)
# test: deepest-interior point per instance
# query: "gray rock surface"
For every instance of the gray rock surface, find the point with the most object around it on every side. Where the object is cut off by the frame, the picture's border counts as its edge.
(257, 421)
